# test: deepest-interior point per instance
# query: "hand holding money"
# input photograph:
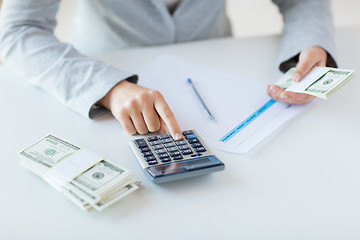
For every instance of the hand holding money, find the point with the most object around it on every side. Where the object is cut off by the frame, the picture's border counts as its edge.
(309, 58)
(320, 82)
(97, 186)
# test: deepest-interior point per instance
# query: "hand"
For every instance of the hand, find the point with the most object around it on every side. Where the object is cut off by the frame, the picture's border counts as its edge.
(309, 58)
(140, 110)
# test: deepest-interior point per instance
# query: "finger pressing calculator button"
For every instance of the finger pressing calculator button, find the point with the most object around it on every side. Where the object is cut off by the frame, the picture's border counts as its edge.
(195, 140)
(181, 142)
(200, 149)
(150, 139)
(188, 132)
(145, 154)
(150, 158)
(164, 136)
(160, 151)
(190, 136)
(196, 145)
(140, 143)
(169, 145)
(152, 162)
(157, 147)
(183, 147)
(186, 151)
(178, 157)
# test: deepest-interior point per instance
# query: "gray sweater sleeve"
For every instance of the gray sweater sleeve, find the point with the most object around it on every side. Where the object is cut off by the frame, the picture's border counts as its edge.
(307, 23)
(29, 47)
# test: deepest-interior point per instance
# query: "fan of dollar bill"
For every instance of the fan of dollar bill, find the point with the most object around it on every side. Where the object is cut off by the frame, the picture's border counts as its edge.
(320, 82)
(96, 187)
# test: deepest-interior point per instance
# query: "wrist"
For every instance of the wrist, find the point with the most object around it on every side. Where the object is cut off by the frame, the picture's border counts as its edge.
(107, 99)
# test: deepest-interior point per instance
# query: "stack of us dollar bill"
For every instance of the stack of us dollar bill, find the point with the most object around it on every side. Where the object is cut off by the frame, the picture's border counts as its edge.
(96, 187)
(320, 82)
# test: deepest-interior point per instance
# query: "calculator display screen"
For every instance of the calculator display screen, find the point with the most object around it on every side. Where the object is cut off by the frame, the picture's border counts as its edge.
(180, 166)
(183, 166)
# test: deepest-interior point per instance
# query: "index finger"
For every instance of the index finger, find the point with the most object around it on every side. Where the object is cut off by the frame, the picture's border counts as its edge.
(167, 115)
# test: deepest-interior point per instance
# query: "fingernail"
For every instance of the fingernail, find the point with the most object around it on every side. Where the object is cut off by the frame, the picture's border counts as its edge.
(283, 95)
(272, 89)
(177, 136)
(297, 77)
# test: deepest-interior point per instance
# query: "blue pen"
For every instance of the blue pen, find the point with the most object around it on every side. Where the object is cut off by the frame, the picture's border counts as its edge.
(202, 102)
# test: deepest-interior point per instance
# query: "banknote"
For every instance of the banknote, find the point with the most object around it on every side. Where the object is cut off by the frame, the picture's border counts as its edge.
(329, 83)
(285, 81)
(97, 187)
(320, 82)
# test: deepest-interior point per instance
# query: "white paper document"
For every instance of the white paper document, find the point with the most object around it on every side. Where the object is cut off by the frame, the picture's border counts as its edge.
(243, 113)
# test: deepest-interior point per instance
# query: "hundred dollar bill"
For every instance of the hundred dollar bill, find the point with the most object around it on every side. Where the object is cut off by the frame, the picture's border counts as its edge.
(320, 82)
(97, 187)
(286, 81)
(99, 181)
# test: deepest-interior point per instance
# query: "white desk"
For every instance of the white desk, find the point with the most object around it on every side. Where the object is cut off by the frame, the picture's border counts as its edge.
(302, 184)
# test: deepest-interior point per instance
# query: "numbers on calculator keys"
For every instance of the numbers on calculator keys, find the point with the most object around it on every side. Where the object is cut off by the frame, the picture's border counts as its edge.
(165, 159)
(164, 149)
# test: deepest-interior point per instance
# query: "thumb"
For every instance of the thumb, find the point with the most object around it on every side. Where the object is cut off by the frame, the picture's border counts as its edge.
(303, 67)
(309, 58)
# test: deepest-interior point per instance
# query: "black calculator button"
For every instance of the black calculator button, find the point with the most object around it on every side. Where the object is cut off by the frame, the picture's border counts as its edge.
(140, 143)
(172, 149)
(188, 132)
(186, 151)
(157, 147)
(178, 157)
(200, 149)
(196, 155)
(164, 136)
(173, 154)
(166, 140)
(152, 162)
(164, 155)
(183, 147)
(169, 144)
(150, 139)
(190, 136)
(156, 142)
(145, 154)
(150, 158)
(181, 142)
(195, 140)
(160, 151)
(196, 145)
(166, 159)
(144, 149)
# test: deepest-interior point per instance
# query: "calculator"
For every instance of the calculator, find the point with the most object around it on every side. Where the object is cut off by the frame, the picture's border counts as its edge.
(165, 159)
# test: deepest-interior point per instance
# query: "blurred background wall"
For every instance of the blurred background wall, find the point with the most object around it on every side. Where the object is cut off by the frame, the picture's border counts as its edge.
(249, 17)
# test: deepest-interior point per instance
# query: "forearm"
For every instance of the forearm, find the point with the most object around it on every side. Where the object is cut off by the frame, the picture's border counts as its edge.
(307, 23)
(29, 47)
